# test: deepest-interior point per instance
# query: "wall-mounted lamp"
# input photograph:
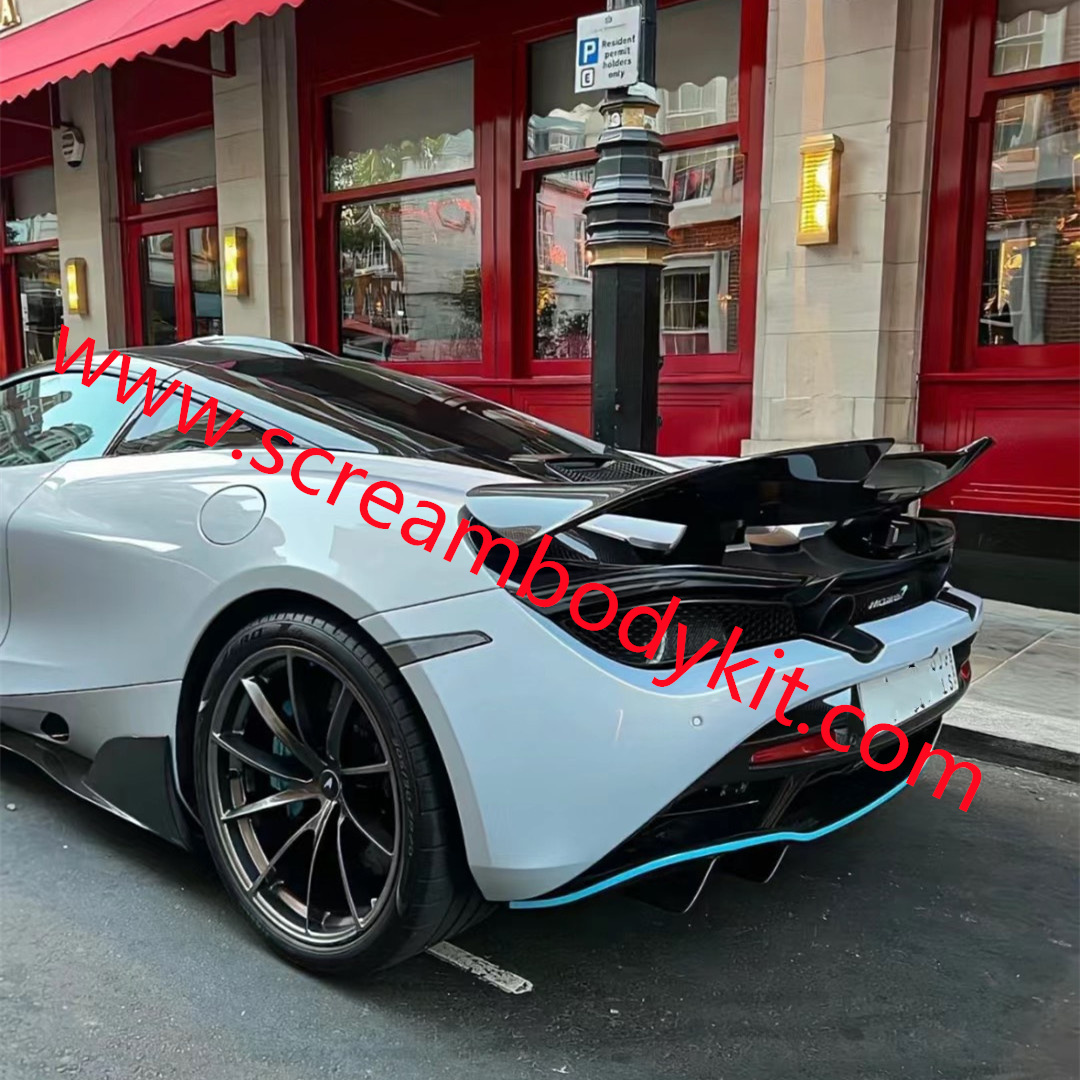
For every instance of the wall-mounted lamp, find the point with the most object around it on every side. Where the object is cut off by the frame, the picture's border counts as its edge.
(234, 259)
(819, 189)
(75, 280)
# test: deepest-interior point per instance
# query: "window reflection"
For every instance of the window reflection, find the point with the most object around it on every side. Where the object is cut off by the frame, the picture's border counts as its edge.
(54, 417)
(1031, 260)
(413, 126)
(1036, 34)
(205, 281)
(700, 287)
(41, 304)
(158, 276)
(410, 277)
(697, 78)
(33, 207)
(563, 289)
(176, 165)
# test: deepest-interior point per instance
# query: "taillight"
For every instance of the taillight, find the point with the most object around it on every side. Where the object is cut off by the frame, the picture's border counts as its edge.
(807, 746)
(965, 671)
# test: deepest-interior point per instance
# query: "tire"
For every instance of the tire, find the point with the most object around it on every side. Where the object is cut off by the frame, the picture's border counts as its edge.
(293, 691)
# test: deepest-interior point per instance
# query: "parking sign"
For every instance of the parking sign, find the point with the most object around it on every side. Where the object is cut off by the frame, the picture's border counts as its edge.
(607, 49)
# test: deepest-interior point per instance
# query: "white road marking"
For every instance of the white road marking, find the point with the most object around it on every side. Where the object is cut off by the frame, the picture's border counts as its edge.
(484, 970)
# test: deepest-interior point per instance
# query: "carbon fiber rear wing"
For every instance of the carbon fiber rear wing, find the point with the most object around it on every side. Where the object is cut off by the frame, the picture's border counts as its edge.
(831, 482)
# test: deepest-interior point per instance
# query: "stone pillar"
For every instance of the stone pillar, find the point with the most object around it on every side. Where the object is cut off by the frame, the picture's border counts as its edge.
(255, 132)
(837, 340)
(86, 210)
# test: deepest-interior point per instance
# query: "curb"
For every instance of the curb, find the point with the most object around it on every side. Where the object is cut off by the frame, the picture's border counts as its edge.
(1064, 764)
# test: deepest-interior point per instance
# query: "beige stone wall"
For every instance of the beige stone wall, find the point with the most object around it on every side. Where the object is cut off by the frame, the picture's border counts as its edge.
(86, 209)
(255, 130)
(837, 329)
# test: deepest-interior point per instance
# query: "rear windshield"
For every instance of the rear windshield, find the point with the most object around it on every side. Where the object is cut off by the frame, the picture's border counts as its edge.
(401, 414)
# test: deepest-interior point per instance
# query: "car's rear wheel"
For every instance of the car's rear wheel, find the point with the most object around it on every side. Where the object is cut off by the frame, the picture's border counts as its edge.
(325, 804)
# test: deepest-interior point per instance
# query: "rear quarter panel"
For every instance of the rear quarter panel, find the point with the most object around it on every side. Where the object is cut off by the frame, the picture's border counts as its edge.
(113, 580)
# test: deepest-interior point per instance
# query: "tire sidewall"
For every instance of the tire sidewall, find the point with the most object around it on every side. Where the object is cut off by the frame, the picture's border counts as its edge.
(349, 653)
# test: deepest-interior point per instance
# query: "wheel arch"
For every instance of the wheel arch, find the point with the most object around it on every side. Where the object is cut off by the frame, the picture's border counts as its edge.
(235, 615)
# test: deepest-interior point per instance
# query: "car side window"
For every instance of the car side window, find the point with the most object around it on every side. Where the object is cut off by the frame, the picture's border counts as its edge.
(55, 418)
(161, 434)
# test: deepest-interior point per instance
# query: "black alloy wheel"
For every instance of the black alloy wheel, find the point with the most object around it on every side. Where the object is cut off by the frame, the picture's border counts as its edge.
(325, 804)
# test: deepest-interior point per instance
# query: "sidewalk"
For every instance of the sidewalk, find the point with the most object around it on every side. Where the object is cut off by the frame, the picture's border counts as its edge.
(1023, 707)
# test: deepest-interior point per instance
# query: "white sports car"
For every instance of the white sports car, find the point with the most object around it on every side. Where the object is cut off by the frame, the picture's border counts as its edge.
(398, 654)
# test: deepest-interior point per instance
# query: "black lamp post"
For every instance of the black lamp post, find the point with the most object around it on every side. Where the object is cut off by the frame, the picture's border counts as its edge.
(626, 232)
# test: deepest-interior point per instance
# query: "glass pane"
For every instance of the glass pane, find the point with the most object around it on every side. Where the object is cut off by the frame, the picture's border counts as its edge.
(563, 288)
(413, 126)
(33, 207)
(700, 299)
(160, 433)
(561, 120)
(697, 77)
(158, 276)
(702, 265)
(697, 64)
(55, 417)
(410, 277)
(1031, 261)
(41, 304)
(205, 281)
(176, 165)
(1036, 33)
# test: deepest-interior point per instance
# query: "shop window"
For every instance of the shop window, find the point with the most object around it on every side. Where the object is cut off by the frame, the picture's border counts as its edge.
(41, 303)
(705, 228)
(32, 216)
(563, 291)
(1031, 258)
(178, 165)
(417, 125)
(1035, 34)
(410, 277)
(697, 65)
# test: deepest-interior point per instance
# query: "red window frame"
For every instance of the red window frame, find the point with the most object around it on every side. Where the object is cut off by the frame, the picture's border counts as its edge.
(745, 133)
(328, 204)
(12, 346)
(505, 183)
(963, 154)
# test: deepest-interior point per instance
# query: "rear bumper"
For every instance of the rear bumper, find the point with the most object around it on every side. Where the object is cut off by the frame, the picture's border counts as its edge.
(558, 755)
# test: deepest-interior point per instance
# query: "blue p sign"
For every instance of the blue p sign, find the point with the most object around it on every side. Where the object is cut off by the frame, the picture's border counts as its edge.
(588, 51)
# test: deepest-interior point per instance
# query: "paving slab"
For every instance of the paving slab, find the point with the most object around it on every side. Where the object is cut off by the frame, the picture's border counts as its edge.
(1024, 703)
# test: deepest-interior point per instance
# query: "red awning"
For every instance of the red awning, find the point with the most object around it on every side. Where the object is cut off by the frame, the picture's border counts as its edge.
(98, 32)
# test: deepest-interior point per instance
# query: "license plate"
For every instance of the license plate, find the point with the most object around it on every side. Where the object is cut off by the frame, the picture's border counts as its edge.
(903, 694)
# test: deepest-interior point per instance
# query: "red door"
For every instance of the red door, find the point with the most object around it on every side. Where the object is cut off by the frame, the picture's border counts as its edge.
(173, 264)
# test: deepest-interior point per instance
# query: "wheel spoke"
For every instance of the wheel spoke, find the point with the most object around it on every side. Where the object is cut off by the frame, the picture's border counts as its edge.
(366, 770)
(345, 877)
(299, 705)
(311, 823)
(279, 728)
(366, 833)
(279, 798)
(259, 759)
(336, 729)
(324, 816)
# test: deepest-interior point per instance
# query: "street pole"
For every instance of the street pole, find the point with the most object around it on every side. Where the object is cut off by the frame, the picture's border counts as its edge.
(626, 233)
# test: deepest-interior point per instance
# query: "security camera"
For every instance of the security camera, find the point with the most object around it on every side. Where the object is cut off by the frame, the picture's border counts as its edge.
(72, 144)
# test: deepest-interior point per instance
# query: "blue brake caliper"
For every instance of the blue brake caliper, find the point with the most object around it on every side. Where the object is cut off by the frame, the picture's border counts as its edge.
(278, 749)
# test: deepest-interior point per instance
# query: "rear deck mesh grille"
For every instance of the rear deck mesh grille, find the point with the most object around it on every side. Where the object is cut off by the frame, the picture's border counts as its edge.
(761, 624)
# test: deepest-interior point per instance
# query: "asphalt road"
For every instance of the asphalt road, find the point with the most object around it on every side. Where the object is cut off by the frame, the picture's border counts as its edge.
(920, 942)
